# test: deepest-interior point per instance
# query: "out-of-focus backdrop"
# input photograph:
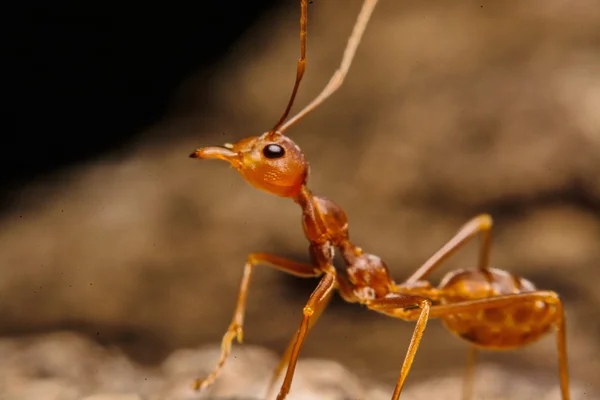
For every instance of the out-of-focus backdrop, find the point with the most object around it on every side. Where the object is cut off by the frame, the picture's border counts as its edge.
(450, 109)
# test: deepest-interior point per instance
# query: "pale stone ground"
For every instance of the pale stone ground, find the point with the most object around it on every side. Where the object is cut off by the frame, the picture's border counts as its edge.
(65, 366)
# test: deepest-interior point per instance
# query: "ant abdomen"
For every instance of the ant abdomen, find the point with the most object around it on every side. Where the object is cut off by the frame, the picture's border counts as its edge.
(498, 328)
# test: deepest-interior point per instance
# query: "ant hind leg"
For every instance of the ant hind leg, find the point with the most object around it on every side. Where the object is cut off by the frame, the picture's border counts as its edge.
(469, 378)
(471, 306)
(480, 224)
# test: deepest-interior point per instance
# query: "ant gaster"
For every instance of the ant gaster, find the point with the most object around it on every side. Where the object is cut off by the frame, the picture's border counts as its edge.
(488, 307)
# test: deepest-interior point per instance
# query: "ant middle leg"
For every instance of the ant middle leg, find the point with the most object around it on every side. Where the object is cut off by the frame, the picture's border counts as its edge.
(480, 224)
(235, 329)
(421, 306)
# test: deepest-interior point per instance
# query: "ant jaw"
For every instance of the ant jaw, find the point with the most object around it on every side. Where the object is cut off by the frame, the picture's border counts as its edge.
(218, 153)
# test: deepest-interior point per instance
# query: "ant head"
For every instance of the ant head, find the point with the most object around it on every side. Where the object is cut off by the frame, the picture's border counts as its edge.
(271, 162)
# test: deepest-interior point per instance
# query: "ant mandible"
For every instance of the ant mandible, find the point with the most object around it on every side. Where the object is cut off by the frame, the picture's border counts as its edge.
(488, 307)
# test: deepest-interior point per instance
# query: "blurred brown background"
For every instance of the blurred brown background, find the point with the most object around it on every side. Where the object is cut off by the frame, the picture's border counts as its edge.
(448, 111)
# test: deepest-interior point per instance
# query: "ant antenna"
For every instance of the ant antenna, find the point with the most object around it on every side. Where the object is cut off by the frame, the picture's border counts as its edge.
(301, 65)
(338, 77)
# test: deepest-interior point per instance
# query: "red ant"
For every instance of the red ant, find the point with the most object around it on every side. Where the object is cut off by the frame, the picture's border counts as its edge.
(488, 307)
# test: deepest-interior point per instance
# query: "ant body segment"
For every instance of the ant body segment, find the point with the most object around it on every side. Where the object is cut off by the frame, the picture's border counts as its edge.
(488, 307)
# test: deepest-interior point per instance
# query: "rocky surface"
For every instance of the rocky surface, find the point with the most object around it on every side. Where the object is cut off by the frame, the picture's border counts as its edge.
(68, 366)
(64, 366)
(449, 111)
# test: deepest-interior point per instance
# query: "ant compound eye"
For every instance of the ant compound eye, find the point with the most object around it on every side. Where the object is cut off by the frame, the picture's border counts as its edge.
(273, 151)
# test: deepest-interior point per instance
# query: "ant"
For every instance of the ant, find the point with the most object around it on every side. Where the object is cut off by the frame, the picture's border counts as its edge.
(490, 308)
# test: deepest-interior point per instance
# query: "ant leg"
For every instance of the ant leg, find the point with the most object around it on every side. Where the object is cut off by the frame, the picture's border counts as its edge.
(420, 305)
(235, 329)
(469, 379)
(288, 352)
(480, 224)
(561, 344)
(318, 298)
(345, 292)
(469, 306)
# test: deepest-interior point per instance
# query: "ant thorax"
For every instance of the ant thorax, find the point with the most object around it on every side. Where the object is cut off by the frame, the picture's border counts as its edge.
(326, 226)
(322, 219)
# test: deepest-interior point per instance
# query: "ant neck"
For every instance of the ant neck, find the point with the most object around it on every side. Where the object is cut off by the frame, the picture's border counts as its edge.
(304, 197)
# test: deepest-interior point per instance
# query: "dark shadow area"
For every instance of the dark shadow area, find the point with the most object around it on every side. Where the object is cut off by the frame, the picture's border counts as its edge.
(82, 80)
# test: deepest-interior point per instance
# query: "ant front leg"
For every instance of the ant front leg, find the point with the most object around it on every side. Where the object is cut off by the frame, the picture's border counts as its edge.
(235, 329)
(313, 309)
(480, 224)
(285, 359)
